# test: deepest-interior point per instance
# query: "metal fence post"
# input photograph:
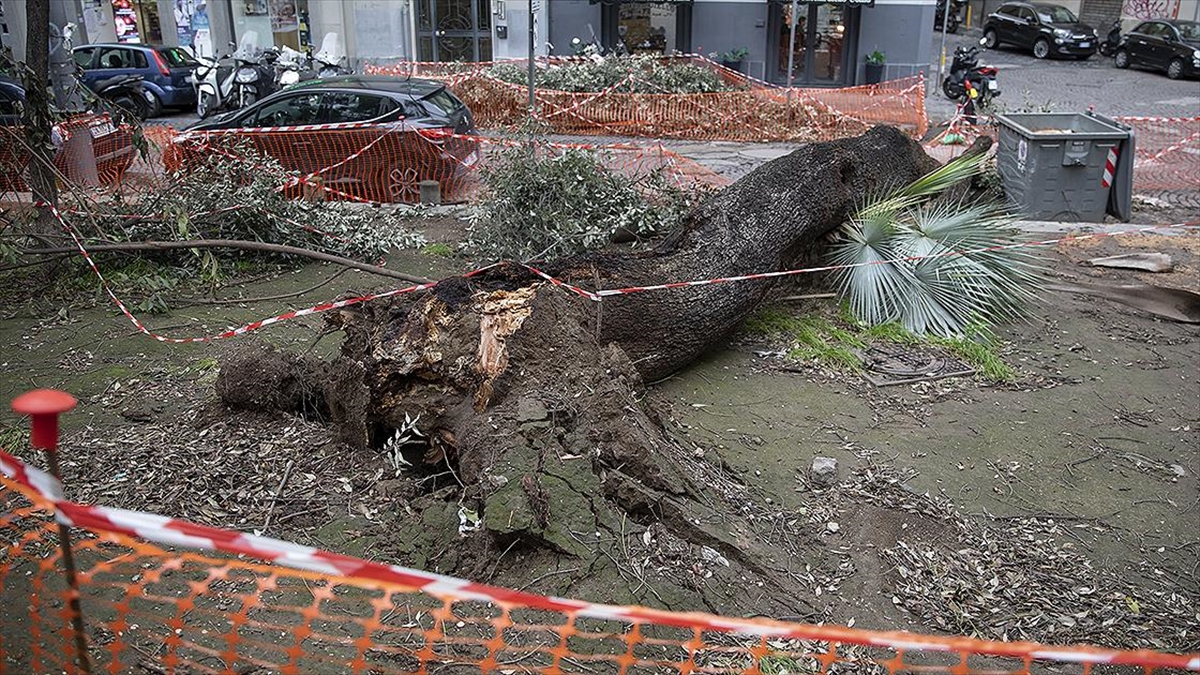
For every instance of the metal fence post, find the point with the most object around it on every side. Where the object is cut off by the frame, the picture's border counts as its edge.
(44, 407)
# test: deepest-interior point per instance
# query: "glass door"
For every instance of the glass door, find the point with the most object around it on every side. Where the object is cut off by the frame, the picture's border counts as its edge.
(454, 30)
(819, 57)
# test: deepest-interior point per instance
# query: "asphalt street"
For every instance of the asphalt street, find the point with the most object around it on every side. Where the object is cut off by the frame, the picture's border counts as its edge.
(1054, 85)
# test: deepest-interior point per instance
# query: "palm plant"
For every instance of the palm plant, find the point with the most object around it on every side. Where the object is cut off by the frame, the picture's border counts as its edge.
(935, 266)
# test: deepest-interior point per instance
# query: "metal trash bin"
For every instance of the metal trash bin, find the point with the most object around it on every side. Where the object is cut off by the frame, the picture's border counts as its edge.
(1065, 166)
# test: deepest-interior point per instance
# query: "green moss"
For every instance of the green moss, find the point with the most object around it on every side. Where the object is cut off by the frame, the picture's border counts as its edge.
(832, 341)
(438, 249)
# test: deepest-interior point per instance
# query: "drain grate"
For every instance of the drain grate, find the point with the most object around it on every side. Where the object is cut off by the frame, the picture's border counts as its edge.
(892, 364)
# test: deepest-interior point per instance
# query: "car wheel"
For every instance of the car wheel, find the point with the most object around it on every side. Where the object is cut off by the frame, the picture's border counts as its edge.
(990, 39)
(1121, 59)
(156, 105)
(1041, 48)
(1175, 69)
(205, 104)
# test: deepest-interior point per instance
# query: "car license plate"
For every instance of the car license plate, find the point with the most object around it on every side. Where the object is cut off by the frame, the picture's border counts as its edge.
(101, 129)
(1085, 45)
(471, 159)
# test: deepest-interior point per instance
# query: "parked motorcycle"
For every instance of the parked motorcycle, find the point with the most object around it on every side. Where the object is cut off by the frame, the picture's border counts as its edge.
(330, 59)
(969, 83)
(953, 19)
(1109, 46)
(292, 67)
(233, 81)
(127, 94)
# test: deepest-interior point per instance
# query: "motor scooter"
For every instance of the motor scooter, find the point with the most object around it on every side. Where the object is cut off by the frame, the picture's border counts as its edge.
(330, 59)
(953, 18)
(232, 81)
(127, 94)
(969, 83)
(1112, 41)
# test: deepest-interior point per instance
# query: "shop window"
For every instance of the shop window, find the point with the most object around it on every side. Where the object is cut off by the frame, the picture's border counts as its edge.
(647, 28)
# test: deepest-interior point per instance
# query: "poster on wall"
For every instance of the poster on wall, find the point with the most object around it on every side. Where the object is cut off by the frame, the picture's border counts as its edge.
(94, 20)
(283, 16)
(184, 11)
(125, 21)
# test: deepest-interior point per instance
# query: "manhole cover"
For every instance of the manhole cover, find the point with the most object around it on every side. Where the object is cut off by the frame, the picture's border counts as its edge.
(892, 364)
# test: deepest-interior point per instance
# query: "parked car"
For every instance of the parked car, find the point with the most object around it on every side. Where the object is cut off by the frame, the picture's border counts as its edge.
(305, 128)
(111, 143)
(1045, 30)
(1169, 45)
(165, 71)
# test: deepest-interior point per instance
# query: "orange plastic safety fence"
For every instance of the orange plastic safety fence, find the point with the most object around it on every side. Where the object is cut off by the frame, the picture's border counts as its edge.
(91, 150)
(1168, 153)
(753, 111)
(148, 609)
(380, 163)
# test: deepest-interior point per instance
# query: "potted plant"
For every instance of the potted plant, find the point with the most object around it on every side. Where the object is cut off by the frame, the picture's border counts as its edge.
(876, 62)
(732, 59)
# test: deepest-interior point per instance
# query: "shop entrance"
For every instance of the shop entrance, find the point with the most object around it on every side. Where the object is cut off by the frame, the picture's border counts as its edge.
(647, 27)
(824, 43)
(454, 30)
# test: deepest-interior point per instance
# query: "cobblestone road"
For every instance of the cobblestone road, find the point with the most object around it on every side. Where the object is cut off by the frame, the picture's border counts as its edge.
(1070, 86)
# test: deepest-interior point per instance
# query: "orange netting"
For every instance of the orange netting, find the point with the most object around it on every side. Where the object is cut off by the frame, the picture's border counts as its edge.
(91, 151)
(1168, 152)
(148, 609)
(752, 111)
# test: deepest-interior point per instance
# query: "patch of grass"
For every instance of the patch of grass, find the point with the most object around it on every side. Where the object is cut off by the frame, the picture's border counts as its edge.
(982, 355)
(831, 342)
(438, 249)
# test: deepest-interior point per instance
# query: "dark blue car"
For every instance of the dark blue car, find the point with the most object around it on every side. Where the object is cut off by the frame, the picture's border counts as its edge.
(164, 70)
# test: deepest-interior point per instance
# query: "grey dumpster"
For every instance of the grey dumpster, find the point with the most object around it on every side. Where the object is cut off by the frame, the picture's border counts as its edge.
(1055, 166)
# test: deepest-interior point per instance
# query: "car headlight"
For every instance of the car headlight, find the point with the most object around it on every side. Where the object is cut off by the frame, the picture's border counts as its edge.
(1062, 33)
(246, 75)
(1196, 54)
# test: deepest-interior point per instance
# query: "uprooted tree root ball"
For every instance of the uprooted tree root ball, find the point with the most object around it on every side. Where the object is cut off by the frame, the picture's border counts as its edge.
(532, 399)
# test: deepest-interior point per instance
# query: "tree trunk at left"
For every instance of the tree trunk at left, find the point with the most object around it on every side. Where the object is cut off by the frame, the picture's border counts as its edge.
(37, 117)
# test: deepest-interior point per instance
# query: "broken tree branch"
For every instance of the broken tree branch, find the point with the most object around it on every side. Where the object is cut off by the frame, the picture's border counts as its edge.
(238, 244)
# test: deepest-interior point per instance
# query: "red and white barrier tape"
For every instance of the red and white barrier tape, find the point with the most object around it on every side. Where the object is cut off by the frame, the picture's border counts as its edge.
(595, 296)
(175, 532)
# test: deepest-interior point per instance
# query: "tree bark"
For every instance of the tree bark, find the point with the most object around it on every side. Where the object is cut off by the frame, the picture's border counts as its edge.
(37, 117)
(533, 398)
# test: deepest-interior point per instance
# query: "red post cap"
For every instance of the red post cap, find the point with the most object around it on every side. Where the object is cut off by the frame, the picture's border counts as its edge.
(44, 406)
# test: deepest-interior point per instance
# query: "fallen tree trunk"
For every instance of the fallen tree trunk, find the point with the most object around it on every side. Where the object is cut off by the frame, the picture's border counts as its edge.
(533, 398)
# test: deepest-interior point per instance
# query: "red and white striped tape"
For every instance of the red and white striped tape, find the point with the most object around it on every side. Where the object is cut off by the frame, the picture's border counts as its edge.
(175, 532)
(596, 296)
(1110, 167)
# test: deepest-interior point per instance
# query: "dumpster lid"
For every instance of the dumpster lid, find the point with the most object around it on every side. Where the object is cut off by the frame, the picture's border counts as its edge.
(1057, 126)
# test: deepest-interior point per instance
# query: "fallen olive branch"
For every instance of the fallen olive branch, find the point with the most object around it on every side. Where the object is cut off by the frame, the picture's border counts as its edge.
(238, 244)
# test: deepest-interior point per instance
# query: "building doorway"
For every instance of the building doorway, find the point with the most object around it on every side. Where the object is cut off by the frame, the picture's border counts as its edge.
(454, 30)
(647, 27)
(824, 43)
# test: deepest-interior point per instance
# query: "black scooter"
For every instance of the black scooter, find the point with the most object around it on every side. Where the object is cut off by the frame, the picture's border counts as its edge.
(969, 83)
(1110, 44)
(127, 94)
(953, 19)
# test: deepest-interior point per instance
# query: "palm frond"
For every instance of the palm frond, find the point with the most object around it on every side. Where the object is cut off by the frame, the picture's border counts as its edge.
(939, 268)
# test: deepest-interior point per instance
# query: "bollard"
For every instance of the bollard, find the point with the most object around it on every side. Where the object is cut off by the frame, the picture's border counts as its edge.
(44, 406)
(431, 192)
